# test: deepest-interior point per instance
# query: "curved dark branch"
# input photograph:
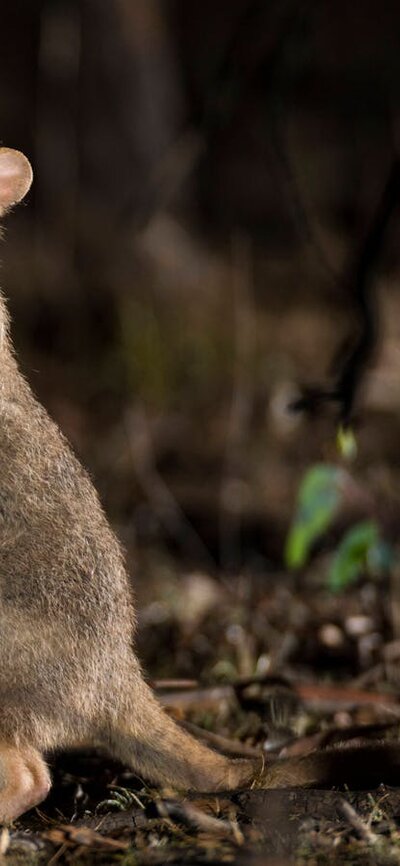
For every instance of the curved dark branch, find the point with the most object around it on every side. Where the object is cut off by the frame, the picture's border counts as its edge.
(353, 361)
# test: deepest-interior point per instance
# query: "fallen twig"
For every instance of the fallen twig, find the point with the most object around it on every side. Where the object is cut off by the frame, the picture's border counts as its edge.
(361, 827)
(314, 696)
(227, 746)
(194, 818)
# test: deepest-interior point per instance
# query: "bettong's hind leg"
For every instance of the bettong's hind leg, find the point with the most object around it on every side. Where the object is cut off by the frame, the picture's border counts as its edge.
(24, 780)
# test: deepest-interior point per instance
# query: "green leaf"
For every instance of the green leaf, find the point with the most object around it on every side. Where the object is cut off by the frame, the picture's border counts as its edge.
(318, 500)
(353, 554)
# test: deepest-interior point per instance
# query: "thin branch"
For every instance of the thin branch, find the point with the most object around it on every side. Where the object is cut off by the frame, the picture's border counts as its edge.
(165, 506)
(353, 361)
(241, 404)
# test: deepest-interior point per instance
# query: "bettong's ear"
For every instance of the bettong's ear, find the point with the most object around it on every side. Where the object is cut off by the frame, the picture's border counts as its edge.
(15, 177)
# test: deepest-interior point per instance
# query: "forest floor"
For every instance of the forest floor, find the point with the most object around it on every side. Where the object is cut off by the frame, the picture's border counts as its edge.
(262, 662)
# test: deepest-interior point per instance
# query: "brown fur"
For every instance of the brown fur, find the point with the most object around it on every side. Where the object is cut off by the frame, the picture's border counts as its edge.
(68, 674)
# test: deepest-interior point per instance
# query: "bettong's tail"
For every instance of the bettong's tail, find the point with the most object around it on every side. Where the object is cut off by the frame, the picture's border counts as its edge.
(150, 742)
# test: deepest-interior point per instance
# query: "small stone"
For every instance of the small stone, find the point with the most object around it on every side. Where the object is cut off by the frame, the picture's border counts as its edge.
(330, 635)
(358, 625)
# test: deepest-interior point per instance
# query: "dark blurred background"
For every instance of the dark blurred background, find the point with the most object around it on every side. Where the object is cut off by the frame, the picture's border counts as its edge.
(204, 175)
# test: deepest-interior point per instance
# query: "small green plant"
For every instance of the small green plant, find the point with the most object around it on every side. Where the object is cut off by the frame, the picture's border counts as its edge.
(317, 504)
(355, 555)
(362, 550)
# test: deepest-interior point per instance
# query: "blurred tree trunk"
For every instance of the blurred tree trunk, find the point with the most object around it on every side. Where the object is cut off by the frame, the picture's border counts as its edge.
(89, 90)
